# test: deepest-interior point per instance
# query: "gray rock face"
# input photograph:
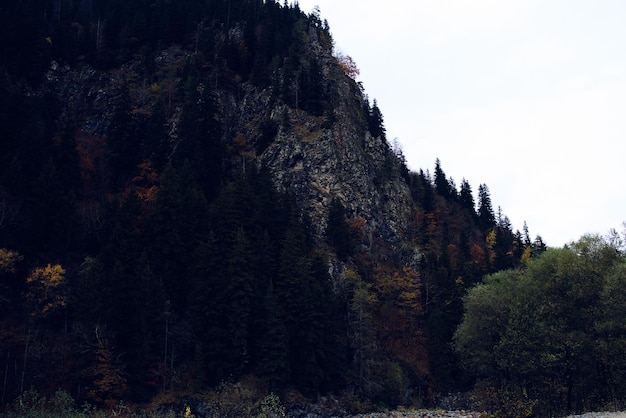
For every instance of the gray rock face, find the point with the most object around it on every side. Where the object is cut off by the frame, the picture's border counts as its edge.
(315, 158)
(318, 164)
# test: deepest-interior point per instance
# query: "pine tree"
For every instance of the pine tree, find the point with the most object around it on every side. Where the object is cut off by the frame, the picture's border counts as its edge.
(200, 144)
(122, 139)
(375, 122)
(337, 231)
(157, 147)
(178, 223)
(486, 216)
(305, 297)
(466, 197)
(442, 186)
(274, 344)
(222, 301)
(205, 306)
(237, 297)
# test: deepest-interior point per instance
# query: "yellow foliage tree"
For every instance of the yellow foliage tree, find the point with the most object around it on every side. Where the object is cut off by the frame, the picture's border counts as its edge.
(46, 289)
(490, 240)
(8, 260)
(46, 293)
(527, 255)
(400, 310)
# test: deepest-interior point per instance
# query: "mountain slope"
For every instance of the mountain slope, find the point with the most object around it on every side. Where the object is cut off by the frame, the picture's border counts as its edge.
(201, 189)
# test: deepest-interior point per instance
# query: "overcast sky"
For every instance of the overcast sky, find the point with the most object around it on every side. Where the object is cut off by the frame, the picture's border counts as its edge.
(526, 96)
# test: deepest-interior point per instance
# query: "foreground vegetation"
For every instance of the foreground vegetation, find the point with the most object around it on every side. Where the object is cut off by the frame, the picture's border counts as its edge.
(227, 401)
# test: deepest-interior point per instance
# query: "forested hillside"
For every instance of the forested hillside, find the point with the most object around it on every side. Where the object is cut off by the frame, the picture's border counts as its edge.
(197, 196)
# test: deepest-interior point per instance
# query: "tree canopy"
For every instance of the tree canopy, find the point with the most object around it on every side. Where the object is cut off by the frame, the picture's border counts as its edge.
(545, 337)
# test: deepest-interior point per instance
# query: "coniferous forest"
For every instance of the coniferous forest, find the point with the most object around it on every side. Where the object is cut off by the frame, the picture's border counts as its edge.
(159, 254)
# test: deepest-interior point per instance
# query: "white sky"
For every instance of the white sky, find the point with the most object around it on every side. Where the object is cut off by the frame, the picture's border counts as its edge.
(527, 96)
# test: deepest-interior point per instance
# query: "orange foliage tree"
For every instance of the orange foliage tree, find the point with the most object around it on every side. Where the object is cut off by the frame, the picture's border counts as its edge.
(348, 65)
(400, 311)
(108, 373)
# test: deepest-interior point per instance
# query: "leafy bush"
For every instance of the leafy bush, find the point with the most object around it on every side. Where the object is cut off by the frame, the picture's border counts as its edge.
(501, 402)
(60, 405)
(271, 407)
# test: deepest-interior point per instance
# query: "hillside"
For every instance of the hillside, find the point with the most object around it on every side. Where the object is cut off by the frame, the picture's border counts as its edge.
(196, 194)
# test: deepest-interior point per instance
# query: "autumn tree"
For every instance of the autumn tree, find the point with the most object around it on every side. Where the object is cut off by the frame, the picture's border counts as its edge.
(399, 296)
(46, 295)
(107, 372)
(47, 291)
(9, 261)
(347, 64)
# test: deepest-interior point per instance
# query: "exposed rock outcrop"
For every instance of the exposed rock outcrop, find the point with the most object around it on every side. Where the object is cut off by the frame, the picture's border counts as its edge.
(315, 158)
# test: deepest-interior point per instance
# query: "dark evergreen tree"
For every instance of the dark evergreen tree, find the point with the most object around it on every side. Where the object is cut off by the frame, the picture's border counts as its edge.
(274, 344)
(51, 222)
(236, 296)
(527, 241)
(486, 215)
(442, 185)
(123, 140)
(539, 246)
(180, 221)
(337, 230)
(504, 240)
(311, 85)
(375, 121)
(304, 300)
(200, 141)
(222, 300)
(422, 191)
(466, 197)
(205, 306)
(157, 147)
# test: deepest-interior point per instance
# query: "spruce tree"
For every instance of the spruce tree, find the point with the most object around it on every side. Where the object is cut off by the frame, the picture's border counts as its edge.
(337, 231)
(122, 139)
(375, 121)
(466, 197)
(200, 143)
(273, 362)
(442, 186)
(486, 216)
(178, 223)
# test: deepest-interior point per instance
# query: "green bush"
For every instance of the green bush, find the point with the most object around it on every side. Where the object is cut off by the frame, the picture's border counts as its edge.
(271, 407)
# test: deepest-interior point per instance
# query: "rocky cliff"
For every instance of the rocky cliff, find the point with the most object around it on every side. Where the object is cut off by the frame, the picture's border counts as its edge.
(314, 157)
